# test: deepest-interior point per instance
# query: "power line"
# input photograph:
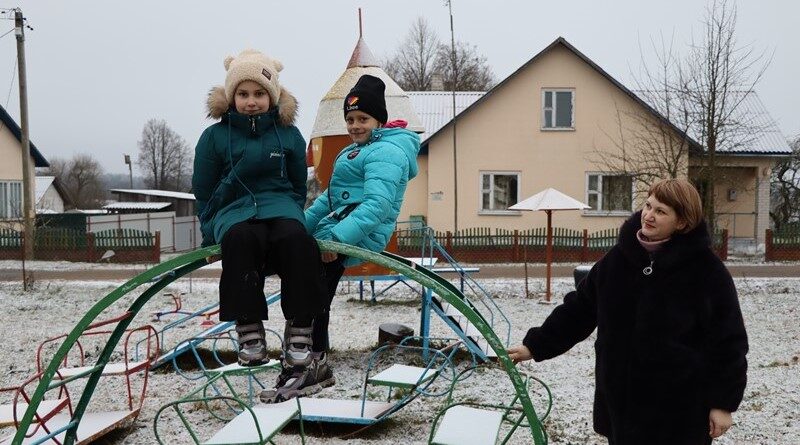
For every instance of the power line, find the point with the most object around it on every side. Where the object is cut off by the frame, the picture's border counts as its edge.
(7, 32)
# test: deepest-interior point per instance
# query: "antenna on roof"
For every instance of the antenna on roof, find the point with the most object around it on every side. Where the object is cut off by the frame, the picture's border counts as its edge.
(360, 29)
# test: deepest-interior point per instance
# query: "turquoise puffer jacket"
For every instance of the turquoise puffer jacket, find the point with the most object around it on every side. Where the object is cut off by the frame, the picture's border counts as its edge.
(371, 179)
(269, 178)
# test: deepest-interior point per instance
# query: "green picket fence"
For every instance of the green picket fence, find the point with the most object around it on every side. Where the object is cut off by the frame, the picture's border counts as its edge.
(120, 239)
(10, 239)
(787, 236)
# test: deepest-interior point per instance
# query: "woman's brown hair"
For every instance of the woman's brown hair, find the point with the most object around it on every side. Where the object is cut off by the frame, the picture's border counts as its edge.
(683, 197)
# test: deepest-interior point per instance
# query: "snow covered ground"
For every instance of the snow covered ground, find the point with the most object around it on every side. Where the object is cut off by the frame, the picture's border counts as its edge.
(770, 413)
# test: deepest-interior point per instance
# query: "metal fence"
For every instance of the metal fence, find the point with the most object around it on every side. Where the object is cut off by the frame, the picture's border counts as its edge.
(783, 244)
(65, 244)
(487, 245)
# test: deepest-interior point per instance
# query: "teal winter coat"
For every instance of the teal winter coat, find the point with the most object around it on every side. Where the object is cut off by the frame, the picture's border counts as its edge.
(369, 182)
(248, 167)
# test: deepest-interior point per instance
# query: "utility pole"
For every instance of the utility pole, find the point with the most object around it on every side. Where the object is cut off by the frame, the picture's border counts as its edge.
(28, 214)
(455, 150)
(130, 169)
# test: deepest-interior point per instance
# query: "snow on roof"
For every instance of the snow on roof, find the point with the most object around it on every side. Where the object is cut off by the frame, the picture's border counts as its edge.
(137, 205)
(42, 184)
(162, 193)
(435, 108)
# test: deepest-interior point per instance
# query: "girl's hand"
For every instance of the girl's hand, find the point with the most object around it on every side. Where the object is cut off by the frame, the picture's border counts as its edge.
(212, 258)
(327, 257)
(719, 421)
(519, 353)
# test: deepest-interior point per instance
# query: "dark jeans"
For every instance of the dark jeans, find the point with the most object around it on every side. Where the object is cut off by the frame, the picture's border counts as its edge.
(252, 249)
(333, 272)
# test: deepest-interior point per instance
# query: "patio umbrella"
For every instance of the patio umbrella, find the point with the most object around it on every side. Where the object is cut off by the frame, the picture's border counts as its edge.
(549, 200)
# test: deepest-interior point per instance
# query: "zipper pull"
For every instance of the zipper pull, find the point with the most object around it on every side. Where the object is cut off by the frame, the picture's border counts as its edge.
(648, 270)
(253, 125)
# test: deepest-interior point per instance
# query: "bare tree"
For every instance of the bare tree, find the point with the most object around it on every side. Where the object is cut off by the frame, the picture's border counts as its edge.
(472, 71)
(644, 145)
(421, 58)
(412, 65)
(785, 189)
(716, 77)
(82, 178)
(164, 157)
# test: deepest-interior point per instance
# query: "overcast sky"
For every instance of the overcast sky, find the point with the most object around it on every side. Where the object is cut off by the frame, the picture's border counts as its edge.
(98, 70)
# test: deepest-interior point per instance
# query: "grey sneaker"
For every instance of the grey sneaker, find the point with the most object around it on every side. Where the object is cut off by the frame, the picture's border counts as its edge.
(299, 381)
(252, 345)
(297, 344)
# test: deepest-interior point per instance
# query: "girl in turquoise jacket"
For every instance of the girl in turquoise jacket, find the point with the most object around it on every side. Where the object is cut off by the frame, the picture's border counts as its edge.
(249, 180)
(370, 176)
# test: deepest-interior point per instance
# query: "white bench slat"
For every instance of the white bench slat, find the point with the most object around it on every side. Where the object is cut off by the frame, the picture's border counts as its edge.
(7, 411)
(332, 410)
(271, 418)
(92, 426)
(109, 369)
(402, 376)
(464, 425)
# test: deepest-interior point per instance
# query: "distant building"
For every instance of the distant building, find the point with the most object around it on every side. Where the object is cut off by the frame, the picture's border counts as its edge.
(51, 196)
(11, 167)
(140, 201)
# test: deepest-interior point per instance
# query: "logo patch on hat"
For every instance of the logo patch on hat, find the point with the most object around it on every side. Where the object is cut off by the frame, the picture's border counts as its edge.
(266, 73)
(352, 100)
(352, 155)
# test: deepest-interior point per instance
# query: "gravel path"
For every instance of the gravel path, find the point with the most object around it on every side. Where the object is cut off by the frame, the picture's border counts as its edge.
(770, 413)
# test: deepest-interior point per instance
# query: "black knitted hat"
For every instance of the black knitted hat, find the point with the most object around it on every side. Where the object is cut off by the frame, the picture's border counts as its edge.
(367, 96)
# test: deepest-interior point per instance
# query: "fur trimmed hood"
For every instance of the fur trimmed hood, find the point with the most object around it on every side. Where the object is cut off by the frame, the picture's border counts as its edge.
(218, 105)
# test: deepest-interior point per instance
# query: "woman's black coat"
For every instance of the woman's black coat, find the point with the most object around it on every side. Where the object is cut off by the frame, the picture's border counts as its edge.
(670, 345)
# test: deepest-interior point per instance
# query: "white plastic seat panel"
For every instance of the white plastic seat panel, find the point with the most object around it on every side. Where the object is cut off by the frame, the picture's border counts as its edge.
(403, 376)
(7, 411)
(271, 419)
(92, 426)
(342, 411)
(465, 425)
(109, 369)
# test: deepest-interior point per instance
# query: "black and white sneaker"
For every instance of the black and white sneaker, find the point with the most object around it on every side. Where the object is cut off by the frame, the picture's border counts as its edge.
(300, 381)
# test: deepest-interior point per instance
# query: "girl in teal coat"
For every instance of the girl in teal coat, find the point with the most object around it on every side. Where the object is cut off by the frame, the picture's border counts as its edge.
(362, 202)
(249, 180)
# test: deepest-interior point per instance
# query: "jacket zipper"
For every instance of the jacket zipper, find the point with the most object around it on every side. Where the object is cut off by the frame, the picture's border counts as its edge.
(253, 125)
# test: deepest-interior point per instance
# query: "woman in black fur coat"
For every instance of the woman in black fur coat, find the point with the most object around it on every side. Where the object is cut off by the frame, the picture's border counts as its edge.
(671, 343)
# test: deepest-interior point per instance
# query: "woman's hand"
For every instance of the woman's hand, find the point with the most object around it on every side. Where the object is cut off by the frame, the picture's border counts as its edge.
(327, 257)
(519, 353)
(719, 421)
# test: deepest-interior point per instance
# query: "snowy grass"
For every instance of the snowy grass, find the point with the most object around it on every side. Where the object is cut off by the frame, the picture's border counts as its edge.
(770, 413)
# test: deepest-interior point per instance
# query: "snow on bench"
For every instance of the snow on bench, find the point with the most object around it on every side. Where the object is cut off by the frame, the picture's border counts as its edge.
(464, 425)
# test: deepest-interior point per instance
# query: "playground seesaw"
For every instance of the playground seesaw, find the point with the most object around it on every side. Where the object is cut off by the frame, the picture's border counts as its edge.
(162, 275)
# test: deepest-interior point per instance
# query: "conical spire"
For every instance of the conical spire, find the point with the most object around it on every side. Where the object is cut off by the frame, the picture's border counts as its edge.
(330, 119)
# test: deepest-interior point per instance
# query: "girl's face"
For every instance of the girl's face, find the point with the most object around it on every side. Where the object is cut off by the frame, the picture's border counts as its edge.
(360, 126)
(659, 221)
(251, 98)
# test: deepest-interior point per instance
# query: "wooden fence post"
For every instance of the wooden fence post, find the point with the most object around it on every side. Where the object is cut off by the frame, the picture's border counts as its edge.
(768, 253)
(585, 246)
(90, 248)
(157, 248)
(515, 248)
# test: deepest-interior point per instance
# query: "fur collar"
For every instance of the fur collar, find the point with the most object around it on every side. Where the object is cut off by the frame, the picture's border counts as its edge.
(218, 105)
(679, 247)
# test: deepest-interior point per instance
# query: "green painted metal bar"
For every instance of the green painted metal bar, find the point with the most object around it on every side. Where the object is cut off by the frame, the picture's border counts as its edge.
(170, 270)
(144, 278)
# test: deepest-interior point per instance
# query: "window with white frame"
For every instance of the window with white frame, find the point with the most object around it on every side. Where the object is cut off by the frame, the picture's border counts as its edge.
(609, 192)
(499, 191)
(10, 199)
(557, 109)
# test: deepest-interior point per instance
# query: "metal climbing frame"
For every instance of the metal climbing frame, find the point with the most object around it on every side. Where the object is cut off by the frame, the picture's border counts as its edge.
(162, 275)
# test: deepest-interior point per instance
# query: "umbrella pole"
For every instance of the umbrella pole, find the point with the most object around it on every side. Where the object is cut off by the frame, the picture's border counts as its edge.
(549, 250)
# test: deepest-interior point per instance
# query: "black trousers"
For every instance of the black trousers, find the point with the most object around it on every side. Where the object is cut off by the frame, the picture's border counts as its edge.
(253, 249)
(332, 274)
